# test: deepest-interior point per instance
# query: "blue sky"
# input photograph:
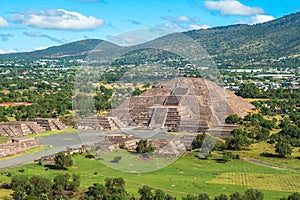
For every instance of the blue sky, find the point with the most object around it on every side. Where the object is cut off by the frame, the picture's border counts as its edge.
(27, 25)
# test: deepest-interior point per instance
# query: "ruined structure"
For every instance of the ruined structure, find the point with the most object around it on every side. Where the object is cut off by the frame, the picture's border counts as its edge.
(179, 105)
(50, 124)
(20, 128)
(35, 126)
(18, 145)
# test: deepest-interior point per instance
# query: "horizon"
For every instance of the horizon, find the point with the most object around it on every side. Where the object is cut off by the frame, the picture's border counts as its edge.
(32, 25)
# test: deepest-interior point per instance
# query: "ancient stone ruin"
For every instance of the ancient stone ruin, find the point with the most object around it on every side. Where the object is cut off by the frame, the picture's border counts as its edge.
(179, 105)
(18, 145)
(18, 129)
(35, 126)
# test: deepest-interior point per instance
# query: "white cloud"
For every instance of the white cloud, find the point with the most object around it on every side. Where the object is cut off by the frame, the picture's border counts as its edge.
(183, 18)
(197, 26)
(232, 7)
(57, 19)
(257, 19)
(7, 51)
(41, 48)
(3, 23)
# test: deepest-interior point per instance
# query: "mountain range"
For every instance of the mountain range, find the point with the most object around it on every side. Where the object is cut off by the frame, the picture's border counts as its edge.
(229, 45)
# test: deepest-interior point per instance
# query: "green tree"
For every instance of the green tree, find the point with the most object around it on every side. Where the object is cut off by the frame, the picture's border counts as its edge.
(198, 141)
(221, 197)
(159, 195)
(283, 149)
(238, 140)
(95, 192)
(62, 160)
(145, 193)
(249, 91)
(252, 194)
(236, 196)
(40, 186)
(144, 147)
(233, 119)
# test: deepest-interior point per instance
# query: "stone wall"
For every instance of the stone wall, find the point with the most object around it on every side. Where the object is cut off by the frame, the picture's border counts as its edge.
(18, 145)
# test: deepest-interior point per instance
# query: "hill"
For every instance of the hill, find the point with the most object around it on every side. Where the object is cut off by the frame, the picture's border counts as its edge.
(270, 40)
(73, 49)
(272, 43)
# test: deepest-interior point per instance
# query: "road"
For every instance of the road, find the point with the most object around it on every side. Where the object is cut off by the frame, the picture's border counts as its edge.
(57, 143)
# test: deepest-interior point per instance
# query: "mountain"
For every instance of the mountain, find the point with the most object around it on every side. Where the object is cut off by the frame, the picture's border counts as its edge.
(78, 48)
(233, 45)
(274, 39)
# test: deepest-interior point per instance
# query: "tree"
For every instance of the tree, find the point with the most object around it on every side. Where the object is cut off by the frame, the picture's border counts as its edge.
(249, 91)
(227, 156)
(236, 196)
(40, 186)
(294, 196)
(190, 197)
(145, 193)
(221, 197)
(238, 140)
(233, 119)
(97, 191)
(21, 187)
(144, 147)
(61, 182)
(203, 196)
(159, 195)
(252, 194)
(198, 141)
(283, 149)
(62, 160)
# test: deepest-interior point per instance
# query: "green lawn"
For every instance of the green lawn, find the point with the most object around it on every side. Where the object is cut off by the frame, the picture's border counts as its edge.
(186, 175)
(69, 129)
(255, 151)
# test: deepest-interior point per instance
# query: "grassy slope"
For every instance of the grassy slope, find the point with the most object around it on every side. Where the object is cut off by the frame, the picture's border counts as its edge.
(256, 149)
(186, 175)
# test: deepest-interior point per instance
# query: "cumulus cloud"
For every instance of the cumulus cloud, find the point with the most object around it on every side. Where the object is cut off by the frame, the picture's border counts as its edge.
(5, 36)
(3, 23)
(37, 34)
(179, 19)
(183, 23)
(7, 51)
(198, 26)
(56, 19)
(232, 7)
(257, 19)
(41, 48)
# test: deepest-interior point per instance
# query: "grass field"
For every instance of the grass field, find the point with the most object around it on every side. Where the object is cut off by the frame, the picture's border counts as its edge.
(284, 183)
(186, 175)
(69, 129)
(256, 149)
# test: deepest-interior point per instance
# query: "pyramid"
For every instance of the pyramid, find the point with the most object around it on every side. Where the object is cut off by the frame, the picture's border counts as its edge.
(181, 104)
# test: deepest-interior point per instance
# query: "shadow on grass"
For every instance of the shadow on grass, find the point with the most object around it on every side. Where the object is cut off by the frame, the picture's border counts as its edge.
(54, 167)
(270, 155)
(220, 160)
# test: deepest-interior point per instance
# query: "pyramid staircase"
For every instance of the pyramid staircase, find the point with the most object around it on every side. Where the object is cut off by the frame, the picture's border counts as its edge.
(49, 124)
(99, 123)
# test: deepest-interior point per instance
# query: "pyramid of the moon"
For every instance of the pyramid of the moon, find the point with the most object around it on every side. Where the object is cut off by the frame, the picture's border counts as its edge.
(181, 104)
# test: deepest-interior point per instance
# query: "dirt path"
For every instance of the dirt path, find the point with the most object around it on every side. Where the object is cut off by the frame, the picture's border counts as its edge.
(252, 160)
